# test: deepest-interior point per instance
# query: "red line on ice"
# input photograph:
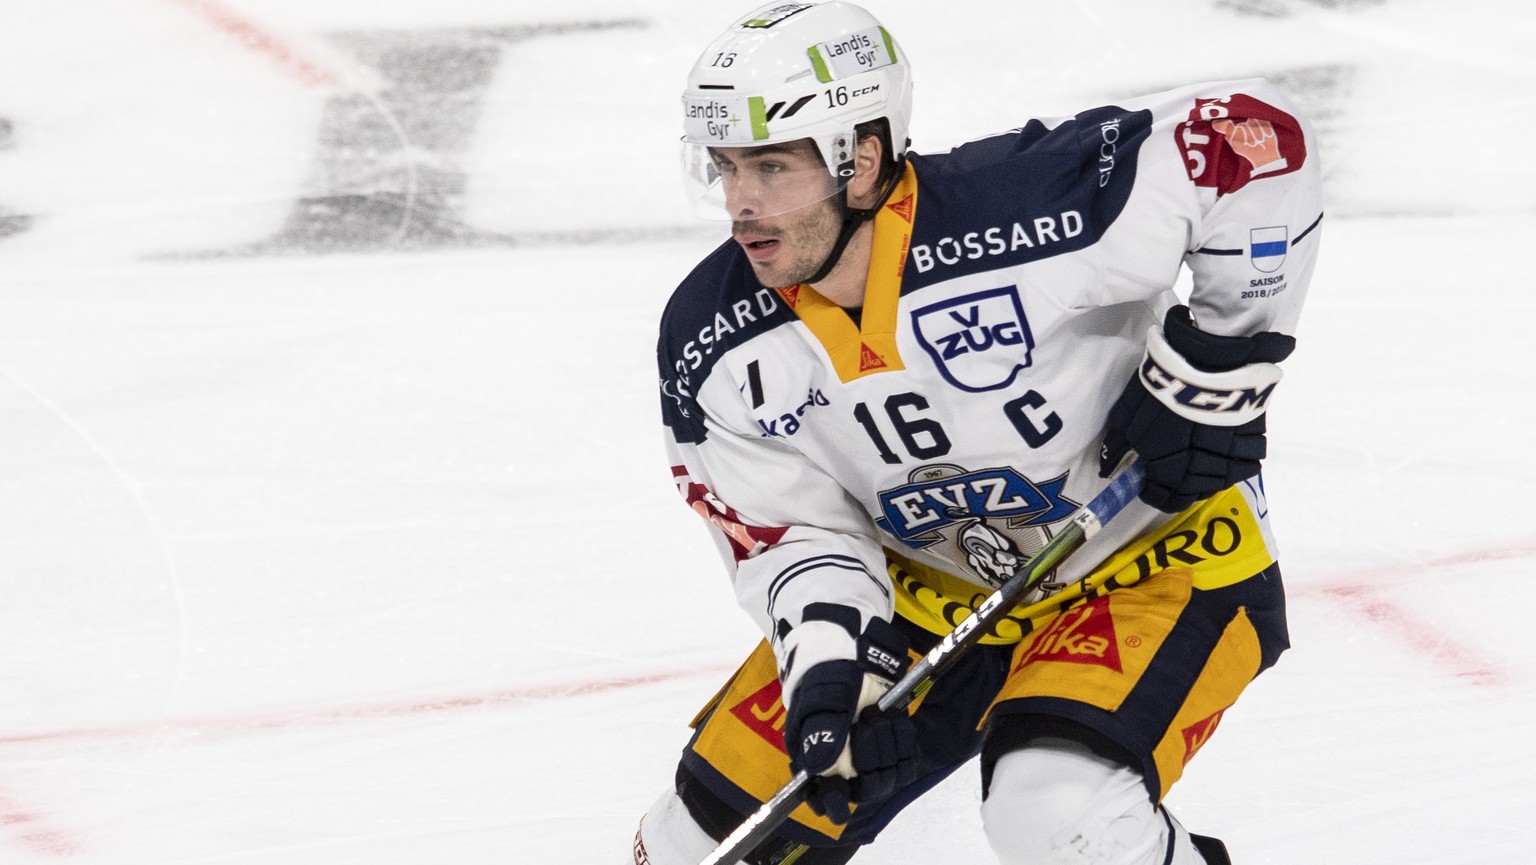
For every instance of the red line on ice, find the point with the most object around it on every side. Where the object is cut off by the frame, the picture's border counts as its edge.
(1361, 591)
(29, 829)
(400, 709)
(25, 827)
(252, 37)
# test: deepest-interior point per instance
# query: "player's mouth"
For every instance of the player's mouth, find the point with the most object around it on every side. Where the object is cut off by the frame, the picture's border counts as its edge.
(759, 247)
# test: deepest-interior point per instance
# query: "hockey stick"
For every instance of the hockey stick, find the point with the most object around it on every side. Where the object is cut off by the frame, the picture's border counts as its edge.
(1083, 524)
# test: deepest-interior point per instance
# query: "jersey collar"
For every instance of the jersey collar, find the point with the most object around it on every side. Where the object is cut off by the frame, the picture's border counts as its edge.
(869, 347)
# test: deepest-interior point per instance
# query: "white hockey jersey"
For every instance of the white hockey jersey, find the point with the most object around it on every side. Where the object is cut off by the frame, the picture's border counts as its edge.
(1011, 287)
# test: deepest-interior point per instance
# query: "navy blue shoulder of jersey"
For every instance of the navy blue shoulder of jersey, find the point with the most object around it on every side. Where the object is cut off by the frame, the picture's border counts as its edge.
(718, 306)
(1024, 195)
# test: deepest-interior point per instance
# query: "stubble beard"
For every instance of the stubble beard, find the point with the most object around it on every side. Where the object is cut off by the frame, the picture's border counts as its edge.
(804, 244)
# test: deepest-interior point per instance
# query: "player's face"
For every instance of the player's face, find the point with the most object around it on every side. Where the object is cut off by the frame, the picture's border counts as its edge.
(780, 199)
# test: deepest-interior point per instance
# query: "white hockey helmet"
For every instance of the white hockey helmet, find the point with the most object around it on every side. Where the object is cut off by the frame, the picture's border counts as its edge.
(787, 72)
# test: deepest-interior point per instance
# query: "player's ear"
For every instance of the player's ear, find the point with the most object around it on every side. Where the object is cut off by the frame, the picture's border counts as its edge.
(868, 156)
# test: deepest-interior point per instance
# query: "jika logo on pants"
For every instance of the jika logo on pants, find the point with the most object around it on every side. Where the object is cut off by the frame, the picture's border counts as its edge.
(763, 713)
(1081, 635)
(1198, 733)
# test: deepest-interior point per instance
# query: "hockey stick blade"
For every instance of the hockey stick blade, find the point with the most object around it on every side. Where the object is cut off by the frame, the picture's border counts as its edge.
(1084, 523)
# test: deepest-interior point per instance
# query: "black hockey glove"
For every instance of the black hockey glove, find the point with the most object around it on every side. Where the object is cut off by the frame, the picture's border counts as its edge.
(1194, 411)
(832, 677)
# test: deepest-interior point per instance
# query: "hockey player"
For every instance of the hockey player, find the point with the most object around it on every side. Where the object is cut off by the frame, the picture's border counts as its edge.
(899, 376)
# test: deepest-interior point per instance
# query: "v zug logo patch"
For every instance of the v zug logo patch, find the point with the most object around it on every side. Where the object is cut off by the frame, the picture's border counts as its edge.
(978, 341)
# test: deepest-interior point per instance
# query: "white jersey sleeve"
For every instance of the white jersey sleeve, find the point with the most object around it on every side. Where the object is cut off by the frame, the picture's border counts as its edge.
(1245, 151)
(790, 534)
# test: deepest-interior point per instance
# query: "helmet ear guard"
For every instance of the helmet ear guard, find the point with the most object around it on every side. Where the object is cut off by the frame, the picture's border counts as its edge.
(790, 72)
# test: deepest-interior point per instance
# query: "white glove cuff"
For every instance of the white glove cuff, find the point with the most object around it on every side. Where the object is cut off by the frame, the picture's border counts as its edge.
(1229, 398)
(807, 645)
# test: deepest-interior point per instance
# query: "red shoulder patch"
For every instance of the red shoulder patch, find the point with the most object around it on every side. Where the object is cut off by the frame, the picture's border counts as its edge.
(746, 541)
(1230, 141)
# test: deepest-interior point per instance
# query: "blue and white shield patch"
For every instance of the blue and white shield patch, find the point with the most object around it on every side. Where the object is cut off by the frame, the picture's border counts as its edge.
(978, 341)
(1267, 246)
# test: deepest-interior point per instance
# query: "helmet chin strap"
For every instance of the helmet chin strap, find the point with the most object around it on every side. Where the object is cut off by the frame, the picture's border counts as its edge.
(853, 217)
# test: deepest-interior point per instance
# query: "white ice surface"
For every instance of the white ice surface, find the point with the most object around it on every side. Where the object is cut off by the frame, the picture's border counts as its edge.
(373, 557)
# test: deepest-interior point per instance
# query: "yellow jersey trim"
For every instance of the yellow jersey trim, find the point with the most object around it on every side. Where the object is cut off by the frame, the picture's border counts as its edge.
(857, 351)
(1218, 540)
